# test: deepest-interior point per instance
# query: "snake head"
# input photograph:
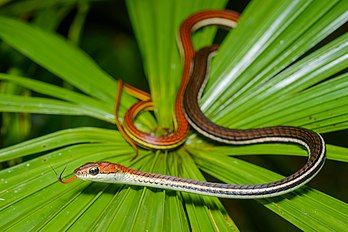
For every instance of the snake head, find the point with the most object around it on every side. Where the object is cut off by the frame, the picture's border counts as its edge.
(99, 171)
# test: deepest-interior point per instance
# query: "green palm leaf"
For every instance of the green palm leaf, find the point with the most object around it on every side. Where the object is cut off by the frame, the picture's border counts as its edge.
(264, 75)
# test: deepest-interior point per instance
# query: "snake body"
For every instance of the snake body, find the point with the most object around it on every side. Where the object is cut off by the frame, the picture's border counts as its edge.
(188, 111)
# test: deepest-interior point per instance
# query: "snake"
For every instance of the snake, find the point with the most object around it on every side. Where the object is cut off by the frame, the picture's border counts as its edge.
(190, 93)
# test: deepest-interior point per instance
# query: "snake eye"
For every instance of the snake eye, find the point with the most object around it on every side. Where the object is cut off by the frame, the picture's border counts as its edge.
(94, 171)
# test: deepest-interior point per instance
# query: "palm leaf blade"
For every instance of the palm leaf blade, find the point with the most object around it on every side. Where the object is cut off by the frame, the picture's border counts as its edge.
(72, 65)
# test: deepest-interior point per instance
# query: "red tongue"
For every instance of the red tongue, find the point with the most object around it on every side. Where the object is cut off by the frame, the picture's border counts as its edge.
(66, 181)
(60, 179)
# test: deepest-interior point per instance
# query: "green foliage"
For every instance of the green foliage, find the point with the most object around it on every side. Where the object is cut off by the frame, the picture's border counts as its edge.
(270, 70)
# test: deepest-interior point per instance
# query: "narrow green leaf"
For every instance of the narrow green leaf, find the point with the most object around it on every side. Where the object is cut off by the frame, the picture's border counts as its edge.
(316, 67)
(239, 64)
(13, 103)
(310, 105)
(55, 91)
(72, 65)
(59, 139)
